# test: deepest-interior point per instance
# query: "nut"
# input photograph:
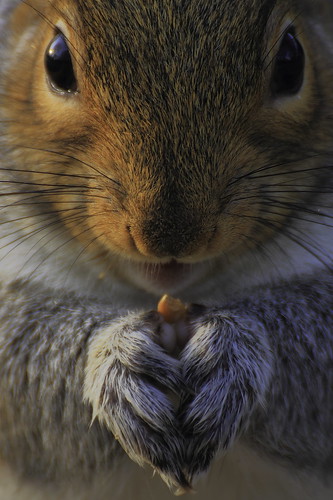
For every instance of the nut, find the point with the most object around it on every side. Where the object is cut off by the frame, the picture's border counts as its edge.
(173, 310)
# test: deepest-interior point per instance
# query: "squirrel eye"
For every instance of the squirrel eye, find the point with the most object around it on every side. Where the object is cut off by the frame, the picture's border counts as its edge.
(288, 73)
(59, 66)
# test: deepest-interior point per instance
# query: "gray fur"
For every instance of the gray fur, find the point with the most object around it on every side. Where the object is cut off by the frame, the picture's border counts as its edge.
(84, 379)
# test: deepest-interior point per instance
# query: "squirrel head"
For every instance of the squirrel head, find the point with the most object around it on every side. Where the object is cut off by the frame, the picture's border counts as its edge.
(175, 126)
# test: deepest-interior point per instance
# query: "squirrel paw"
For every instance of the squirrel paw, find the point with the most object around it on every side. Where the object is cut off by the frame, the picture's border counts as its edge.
(226, 364)
(129, 380)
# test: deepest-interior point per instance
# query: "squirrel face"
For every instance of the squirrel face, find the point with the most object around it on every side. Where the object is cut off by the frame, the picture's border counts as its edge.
(174, 127)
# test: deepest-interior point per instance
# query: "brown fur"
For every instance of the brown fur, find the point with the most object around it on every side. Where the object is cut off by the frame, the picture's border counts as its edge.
(138, 126)
(173, 151)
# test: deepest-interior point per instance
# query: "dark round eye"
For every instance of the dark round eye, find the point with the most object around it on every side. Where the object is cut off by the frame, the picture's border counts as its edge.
(59, 66)
(288, 75)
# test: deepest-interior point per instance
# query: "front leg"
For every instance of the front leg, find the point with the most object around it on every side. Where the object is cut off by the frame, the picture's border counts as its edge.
(129, 380)
(264, 365)
(227, 367)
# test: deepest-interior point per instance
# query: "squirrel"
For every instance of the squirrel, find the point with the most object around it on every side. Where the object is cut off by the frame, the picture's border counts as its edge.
(179, 147)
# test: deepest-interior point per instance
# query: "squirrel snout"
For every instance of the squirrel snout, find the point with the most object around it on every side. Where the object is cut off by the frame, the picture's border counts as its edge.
(177, 236)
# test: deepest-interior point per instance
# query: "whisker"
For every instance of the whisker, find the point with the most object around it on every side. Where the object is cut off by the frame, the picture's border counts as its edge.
(57, 225)
(56, 174)
(299, 208)
(260, 247)
(47, 192)
(293, 216)
(55, 213)
(309, 245)
(73, 158)
(73, 238)
(39, 228)
(276, 165)
(32, 233)
(84, 249)
(25, 237)
(39, 13)
(279, 40)
(299, 239)
(52, 25)
(292, 172)
(26, 203)
(57, 186)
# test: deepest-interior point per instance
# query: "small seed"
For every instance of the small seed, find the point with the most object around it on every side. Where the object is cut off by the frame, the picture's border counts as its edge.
(173, 310)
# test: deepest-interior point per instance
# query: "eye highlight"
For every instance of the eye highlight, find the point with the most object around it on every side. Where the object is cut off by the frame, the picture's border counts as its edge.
(288, 74)
(59, 66)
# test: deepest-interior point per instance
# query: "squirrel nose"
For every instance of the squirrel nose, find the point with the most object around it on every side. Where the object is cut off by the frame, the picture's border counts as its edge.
(175, 236)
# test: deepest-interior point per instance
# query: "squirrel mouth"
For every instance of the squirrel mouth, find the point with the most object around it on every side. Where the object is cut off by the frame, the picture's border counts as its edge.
(169, 277)
(167, 274)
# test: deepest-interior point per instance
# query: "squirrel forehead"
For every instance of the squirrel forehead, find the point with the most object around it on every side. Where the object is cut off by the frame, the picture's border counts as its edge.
(203, 45)
(173, 24)
(176, 12)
